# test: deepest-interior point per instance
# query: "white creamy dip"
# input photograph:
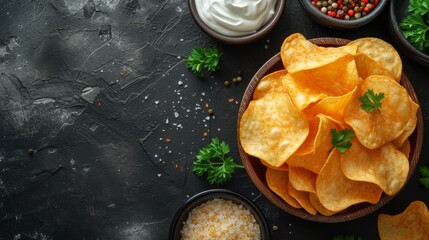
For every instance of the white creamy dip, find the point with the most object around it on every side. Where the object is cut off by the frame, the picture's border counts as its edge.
(235, 17)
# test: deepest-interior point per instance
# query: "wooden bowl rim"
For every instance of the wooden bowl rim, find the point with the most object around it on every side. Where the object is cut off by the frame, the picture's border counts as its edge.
(346, 215)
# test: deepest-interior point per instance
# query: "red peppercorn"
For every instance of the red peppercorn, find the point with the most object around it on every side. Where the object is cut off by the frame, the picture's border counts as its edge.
(350, 12)
(364, 1)
(366, 9)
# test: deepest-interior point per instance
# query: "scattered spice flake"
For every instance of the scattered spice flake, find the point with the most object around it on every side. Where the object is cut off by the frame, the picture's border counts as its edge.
(167, 139)
(231, 100)
(205, 134)
(122, 73)
(206, 105)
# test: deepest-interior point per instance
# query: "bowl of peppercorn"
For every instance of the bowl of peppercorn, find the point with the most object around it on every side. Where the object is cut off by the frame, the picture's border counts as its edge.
(343, 14)
(409, 27)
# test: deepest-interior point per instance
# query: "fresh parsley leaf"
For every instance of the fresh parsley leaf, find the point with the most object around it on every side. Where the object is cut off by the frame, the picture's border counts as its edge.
(424, 180)
(213, 160)
(420, 7)
(341, 139)
(371, 101)
(341, 237)
(415, 26)
(201, 58)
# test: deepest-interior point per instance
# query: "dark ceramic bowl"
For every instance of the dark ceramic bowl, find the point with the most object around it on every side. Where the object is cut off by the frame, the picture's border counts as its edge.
(256, 169)
(398, 10)
(341, 24)
(200, 198)
(240, 40)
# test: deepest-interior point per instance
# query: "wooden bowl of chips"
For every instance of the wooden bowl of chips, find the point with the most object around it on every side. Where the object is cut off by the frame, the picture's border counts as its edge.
(257, 168)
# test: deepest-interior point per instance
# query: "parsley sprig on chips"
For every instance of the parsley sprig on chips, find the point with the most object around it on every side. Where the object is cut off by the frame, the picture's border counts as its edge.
(213, 160)
(203, 58)
(371, 101)
(424, 180)
(341, 139)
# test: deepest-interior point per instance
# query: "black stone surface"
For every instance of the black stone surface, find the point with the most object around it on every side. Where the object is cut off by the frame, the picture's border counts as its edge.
(100, 91)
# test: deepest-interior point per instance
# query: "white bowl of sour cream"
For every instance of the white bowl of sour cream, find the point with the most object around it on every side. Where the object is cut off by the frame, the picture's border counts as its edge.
(236, 21)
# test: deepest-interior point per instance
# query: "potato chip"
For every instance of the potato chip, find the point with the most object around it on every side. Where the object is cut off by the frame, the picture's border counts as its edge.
(314, 200)
(413, 223)
(406, 148)
(315, 159)
(373, 129)
(302, 198)
(336, 192)
(283, 167)
(301, 95)
(297, 53)
(409, 127)
(270, 83)
(334, 79)
(366, 67)
(331, 106)
(386, 166)
(308, 145)
(278, 182)
(302, 179)
(381, 52)
(272, 128)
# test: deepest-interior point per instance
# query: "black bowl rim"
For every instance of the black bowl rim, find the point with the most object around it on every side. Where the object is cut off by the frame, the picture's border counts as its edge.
(240, 198)
(406, 47)
(334, 23)
(239, 40)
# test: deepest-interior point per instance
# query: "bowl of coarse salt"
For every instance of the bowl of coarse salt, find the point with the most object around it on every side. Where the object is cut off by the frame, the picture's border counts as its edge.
(219, 214)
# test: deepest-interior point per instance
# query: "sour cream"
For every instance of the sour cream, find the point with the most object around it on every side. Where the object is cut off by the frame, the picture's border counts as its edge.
(235, 17)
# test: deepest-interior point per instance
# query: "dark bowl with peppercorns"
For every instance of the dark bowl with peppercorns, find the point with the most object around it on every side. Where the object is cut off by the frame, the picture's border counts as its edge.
(398, 11)
(343, 14)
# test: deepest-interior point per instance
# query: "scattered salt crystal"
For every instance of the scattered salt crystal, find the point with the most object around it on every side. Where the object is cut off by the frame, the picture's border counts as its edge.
(207, 118)
(166, 121)
(176, 114)
(156, 102)
(180, 83)
(159, 174)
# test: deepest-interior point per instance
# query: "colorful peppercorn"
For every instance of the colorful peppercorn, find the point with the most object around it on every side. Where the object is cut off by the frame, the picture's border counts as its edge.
(345, 9)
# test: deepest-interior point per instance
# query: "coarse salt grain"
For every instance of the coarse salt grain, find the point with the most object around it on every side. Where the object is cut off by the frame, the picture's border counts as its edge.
(220, 219)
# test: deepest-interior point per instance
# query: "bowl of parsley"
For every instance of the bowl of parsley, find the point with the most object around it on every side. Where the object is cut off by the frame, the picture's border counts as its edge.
(409, 27)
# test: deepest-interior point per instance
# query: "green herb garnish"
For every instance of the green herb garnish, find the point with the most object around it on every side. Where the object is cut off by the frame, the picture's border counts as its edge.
(415, 26)
(212, 160)
(424, 180)
(203, 58)
(341, 139)
(371, 101)
(341, 237)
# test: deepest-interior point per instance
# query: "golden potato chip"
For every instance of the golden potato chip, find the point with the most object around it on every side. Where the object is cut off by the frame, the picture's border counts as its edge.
(333, 79)
(409, 127)
(331, 106)
(373, 129)
(413, 223)
(314, 200)
(302, 198)
(406, 148)
(366, 67)
(302, 179)
(308, 145)
(315, 159)
(270, 83)
(272, 128)
(283, 167)
(381, 52)
(301, 95)
(336, 192)
(386, 166)
(278, 182)
(297, 53)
